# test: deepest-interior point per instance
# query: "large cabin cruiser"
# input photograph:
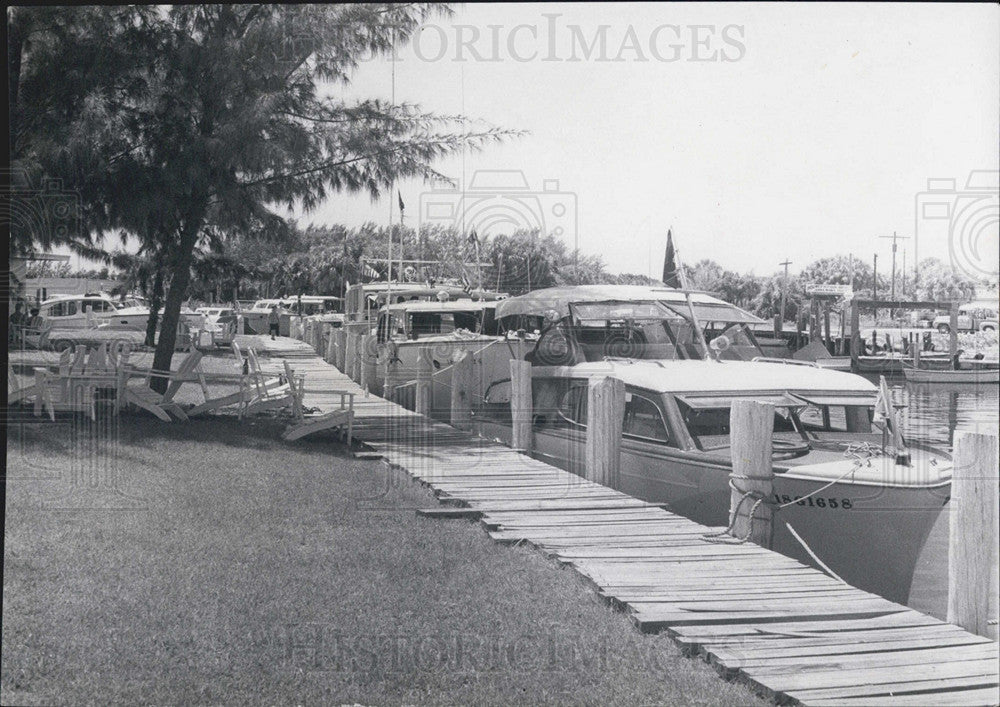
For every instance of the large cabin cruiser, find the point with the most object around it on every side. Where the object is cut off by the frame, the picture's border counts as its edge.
(98, 309)
(365, 300)
(591, 322)
(863, 513)
(444, 327)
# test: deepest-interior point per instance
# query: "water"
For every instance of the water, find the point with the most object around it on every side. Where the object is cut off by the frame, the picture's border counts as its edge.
(934, 411)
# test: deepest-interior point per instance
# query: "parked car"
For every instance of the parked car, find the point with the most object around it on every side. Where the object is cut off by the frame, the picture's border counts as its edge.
(975, 316)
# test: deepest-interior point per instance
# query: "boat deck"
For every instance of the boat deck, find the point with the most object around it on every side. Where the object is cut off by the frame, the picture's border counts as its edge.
(791, 631)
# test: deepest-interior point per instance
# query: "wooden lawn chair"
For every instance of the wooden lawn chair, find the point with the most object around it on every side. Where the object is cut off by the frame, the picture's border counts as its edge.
(142, 395)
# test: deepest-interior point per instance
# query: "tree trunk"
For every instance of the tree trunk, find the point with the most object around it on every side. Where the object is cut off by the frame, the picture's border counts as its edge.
(155, 300)
(179, 280)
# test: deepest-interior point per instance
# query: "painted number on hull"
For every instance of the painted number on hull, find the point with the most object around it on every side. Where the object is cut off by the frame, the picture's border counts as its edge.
(844, 503)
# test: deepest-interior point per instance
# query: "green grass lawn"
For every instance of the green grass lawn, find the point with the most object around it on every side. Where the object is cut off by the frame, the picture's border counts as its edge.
(210, 563)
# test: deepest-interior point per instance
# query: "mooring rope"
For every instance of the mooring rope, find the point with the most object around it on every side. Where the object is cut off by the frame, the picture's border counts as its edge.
(861, 453)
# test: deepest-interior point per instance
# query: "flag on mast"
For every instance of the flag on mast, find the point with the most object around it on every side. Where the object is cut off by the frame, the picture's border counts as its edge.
(670, 278)
(402, 206)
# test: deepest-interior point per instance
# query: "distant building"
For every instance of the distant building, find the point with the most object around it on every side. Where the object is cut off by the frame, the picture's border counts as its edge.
(18, 284)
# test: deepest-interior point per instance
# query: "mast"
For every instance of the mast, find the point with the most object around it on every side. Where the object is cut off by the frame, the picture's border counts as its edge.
(699, 334)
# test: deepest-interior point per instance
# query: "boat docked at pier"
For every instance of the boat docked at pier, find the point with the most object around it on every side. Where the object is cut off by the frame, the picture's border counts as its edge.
(101, 310)
(863, 509)
(861, 505)
(440, 330)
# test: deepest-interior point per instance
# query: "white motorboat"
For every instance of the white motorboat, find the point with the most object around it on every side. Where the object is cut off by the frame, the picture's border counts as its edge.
(101, 310)
(864, 511)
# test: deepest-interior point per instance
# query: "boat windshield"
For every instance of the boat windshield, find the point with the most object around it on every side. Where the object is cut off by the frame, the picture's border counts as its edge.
(706, 416)
(130, 302)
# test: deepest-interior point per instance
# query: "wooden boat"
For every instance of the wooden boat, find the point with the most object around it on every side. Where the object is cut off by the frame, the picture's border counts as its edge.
(966, 375)
(895, 362)
(862, 511)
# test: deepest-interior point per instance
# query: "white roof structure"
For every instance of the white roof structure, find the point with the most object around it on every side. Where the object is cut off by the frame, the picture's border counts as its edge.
(463, 305)
(719, 376)
(538, 302)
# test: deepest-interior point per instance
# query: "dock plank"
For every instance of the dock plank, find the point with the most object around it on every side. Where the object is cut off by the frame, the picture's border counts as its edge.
(791, 631)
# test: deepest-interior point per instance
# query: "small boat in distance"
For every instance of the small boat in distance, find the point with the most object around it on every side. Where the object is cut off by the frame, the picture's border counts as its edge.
(962, 375)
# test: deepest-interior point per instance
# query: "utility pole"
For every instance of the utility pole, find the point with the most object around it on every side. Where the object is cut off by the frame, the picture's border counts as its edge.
(875, 286)
(784, 289)
(892, 294)
(875, 279)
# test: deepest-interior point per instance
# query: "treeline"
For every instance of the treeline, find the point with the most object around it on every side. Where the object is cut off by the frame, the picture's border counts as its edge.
(324, 260)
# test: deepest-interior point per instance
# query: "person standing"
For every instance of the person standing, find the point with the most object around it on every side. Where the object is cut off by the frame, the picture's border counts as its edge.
(16, 323)
(273, 321)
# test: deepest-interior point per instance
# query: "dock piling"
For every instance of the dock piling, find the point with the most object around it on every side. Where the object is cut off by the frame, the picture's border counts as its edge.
(605, 414)
(461, 383)
(369, 361)
(351, 355)
(424, 387)
(520, 405)
(751, 425)
(973, 586)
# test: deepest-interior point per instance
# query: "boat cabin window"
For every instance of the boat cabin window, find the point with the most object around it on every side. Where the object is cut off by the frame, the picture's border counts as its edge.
(97, 305)
(573, 408)
(66, 308)
(643, 419)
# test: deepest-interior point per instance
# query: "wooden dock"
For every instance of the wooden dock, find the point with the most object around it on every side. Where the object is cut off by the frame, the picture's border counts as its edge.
(790, 631)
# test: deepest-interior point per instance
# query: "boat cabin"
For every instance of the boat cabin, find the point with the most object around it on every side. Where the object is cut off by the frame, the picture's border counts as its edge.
(595, 322)
(419, 319)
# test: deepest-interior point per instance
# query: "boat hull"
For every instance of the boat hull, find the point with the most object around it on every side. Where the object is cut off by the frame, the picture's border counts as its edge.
(981, 375)
(841, 523)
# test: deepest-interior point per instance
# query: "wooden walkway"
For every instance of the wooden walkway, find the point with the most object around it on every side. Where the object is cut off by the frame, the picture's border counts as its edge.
(790, 631)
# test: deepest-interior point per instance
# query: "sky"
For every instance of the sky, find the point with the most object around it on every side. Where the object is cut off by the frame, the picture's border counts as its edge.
(757, 133)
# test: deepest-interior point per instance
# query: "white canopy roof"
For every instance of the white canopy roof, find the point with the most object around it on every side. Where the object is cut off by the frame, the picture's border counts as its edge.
(539, 302)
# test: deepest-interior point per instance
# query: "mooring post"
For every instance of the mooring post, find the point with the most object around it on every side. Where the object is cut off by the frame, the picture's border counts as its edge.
(351, 355)
(340, 337)
(777, 325)
(973, 585)
(461, 383)
(953, 335)
(424, 381)
(520, 405)
(369, 362)
(751, 425)
(318, 338)
(917, 345)
(330, 356)
(605, 414)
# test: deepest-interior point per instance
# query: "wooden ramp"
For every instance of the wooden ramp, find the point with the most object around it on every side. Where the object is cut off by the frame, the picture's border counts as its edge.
(792, 632)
